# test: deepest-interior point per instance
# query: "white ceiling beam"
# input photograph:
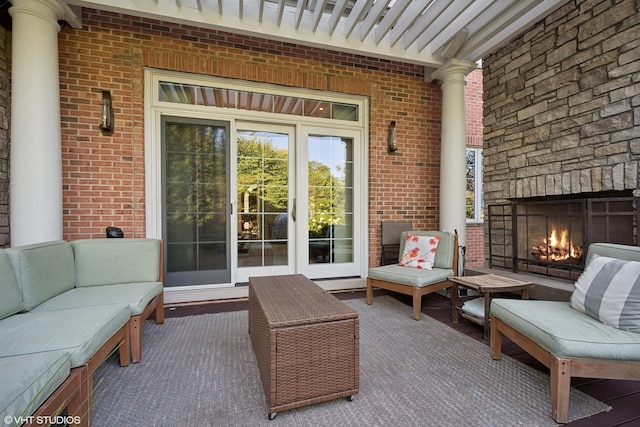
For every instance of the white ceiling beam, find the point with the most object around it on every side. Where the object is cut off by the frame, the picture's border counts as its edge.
(404, 22)
(280, 12)
(390, 18)
(487, 29)
(424, 21)
(491, 14)
(505, 27)
(458, 24)
(336, 14)
(444, 20)
(318, 13)
(359, 10)
(376, 11)
(299, 13)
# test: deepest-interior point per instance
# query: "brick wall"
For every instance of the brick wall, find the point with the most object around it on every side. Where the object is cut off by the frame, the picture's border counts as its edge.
(5, 42)
(104, 175)
(474, 256)
(473, 108)
(562, 105)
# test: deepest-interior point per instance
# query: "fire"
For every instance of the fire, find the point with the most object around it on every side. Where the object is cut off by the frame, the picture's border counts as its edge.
(556, 248)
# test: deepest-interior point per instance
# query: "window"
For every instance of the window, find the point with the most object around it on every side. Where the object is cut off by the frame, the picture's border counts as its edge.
(194, 94)
(475, 202)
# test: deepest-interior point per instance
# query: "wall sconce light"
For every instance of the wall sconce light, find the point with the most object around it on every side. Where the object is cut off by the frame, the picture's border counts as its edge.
(392, 140)
(106, 113)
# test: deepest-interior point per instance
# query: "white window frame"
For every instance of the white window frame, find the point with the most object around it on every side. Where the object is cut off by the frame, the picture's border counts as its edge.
(478, 199)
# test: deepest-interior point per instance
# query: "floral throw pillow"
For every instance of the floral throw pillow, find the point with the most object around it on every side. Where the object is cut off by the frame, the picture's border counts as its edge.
(419, 251)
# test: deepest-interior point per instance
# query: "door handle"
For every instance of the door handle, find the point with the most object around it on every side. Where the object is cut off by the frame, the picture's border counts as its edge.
(293, 210)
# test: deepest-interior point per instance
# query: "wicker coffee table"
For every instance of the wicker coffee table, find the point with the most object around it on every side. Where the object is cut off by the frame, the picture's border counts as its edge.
(306, 342)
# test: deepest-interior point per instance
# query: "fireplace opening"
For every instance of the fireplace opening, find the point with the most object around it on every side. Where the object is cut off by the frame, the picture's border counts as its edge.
(551, 235)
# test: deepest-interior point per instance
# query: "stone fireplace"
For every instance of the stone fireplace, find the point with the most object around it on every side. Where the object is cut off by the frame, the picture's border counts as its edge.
(561, 142)
(550, 235)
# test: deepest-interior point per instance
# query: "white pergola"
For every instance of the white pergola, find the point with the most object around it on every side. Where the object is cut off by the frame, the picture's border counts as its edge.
(416, 31)
(447, 37)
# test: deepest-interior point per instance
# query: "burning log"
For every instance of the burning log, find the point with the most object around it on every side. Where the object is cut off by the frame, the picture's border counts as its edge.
(556, 249)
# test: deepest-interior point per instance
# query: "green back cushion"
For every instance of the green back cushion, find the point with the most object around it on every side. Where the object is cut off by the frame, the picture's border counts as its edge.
(113, 261)
(43, 270)
(10, 296)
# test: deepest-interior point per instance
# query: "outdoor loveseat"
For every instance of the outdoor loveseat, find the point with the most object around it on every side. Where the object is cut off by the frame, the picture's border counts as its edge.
(413, 281)
(595, 335)
(65, 307)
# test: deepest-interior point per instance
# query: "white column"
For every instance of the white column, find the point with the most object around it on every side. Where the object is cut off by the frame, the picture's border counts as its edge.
(36, 153)
(453, 184)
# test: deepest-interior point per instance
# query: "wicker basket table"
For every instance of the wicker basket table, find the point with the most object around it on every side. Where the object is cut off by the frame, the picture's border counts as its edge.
(306, 342)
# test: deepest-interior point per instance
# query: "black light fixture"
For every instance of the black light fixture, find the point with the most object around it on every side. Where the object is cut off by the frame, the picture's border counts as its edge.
(392, 141)
(106, 113)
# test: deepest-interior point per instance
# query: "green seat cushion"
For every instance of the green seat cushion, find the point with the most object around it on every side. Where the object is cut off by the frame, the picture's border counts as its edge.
(79, 331)
(474, 307)
(113, 261)
(28, 380)
(566, 332)
(409, 276)
(43, 270)
(136, 295)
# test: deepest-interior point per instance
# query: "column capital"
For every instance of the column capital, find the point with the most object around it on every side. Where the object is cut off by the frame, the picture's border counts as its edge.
(454, 70)
(50, 11)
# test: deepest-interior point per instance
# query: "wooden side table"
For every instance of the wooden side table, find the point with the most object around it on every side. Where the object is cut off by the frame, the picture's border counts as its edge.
(486, 284)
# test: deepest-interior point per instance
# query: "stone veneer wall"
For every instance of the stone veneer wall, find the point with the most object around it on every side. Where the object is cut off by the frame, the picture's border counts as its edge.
(562, 105)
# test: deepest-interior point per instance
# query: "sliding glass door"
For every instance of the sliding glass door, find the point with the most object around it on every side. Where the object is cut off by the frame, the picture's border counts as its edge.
(196, 196)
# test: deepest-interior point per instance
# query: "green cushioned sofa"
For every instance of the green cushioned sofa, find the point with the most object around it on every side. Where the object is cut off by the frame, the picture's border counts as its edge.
(567, 341)
(65, 307)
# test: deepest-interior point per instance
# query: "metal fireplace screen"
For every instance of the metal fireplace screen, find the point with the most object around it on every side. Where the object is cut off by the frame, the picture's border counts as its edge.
(551, 237)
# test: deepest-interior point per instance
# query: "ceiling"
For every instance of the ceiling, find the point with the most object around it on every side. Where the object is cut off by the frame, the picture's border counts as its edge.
(425, 32)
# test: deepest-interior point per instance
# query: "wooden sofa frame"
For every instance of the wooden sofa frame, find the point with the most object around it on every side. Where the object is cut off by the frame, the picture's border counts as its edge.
(561, 369)
(156, 305)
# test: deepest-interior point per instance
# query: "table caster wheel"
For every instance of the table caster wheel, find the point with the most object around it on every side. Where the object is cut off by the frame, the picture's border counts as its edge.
(272, 415)
(350, 398)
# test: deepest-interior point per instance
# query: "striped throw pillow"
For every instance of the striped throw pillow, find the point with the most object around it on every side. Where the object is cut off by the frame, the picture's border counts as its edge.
(609, 290)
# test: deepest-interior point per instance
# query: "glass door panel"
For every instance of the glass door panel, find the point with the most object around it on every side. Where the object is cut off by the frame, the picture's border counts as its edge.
(330, 205)
(195, 185)
(264, 244)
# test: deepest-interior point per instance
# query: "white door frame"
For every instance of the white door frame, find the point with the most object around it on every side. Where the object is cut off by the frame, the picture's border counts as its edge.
(155, 109)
